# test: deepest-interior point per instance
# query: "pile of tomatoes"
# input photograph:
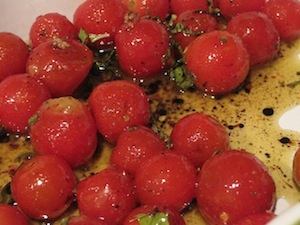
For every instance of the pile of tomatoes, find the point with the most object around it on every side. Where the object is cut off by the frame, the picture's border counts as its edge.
(208, 45)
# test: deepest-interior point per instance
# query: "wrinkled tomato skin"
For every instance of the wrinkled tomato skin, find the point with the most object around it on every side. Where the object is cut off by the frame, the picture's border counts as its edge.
(131, 43)
(100, 17)
(257, 219)
(85, 220)
(218, 61)
(108, 195)
(150, 8)
(62, 64)
(117, 106)
(168, 179)
(20, 96)
(64, 127)
(43, 187)
(51, 25)
(13, 55)
(134, 146)
(232, 185)
(174, 217)
(285, 16)
(179, 6)
(250, 27)
(199, 136)
(231, 8)
(11, 215)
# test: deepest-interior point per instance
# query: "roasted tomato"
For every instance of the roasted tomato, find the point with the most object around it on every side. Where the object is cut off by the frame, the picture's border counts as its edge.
(179, 6)
(257, 219)
(12, 215)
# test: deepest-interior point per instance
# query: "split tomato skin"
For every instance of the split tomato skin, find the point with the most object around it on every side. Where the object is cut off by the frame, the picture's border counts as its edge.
(108, 195)
(12, 215)
(51, 25)
(118, 105)
(13, 55)
(131, 43)
(218, 61)
(62, 64)
(20, 96)
(64, 127)
(232, 185)
(35, 187)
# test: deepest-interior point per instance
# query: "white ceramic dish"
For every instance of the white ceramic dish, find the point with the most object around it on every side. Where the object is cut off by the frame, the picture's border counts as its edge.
(17, 17)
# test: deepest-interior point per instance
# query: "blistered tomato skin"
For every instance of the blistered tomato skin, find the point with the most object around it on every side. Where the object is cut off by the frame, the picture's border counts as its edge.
(51, 25)
(168, 180)
(64, 127)
(20, 97)
(251, 27)
(108, 195)
(131, 43)
(218, 61)
(117, 106)
(12, 215)
(43, 187)
(285, 16)
(62, 64)
(100, 17)
(13, 55)
(232, 185)
(179, 6)
(199, 136)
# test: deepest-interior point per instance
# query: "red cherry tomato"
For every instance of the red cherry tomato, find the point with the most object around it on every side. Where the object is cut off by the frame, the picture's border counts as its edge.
(131, 43)
(13, 55)
(232, 185)
(85, 220)
(12, 215)
(285, 16)
(65, 127)
(194, 23)
(231, 8)
(156, 214)
(250, 27)
(152, 8)
(100, 17)
(43, 187)
(118, 105)
(20, 96)
(257, 219)
(296, 167)
(199, 136)
(62, 64)
(108, 195)
(180, 6)
(51, 25)
(218, 61)
(167, 179)
(135, 146)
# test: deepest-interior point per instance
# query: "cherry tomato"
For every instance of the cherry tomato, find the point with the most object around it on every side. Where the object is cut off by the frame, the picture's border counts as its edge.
(191, 24)
(180, 6)
(152, 8)
(218, 61)
(108, 195)
(152, 214)
(51, 25)
(199, 136)
(65, 127)
(232, 185)
(250, 27)
(13, 55)
(85, 220)
(20, 96)
(257, 219)
(231, 8)
(100, 18)
(118, 105)
(134, 146)
(167, 179)
(43, 187)
(296, 167)
(285, 16)
(62, 64)
(131, 43)
(12, 215)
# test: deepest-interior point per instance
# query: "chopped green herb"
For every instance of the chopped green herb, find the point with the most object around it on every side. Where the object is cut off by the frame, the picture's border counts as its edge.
(293, 84)
(181, 78)
(33, 119)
